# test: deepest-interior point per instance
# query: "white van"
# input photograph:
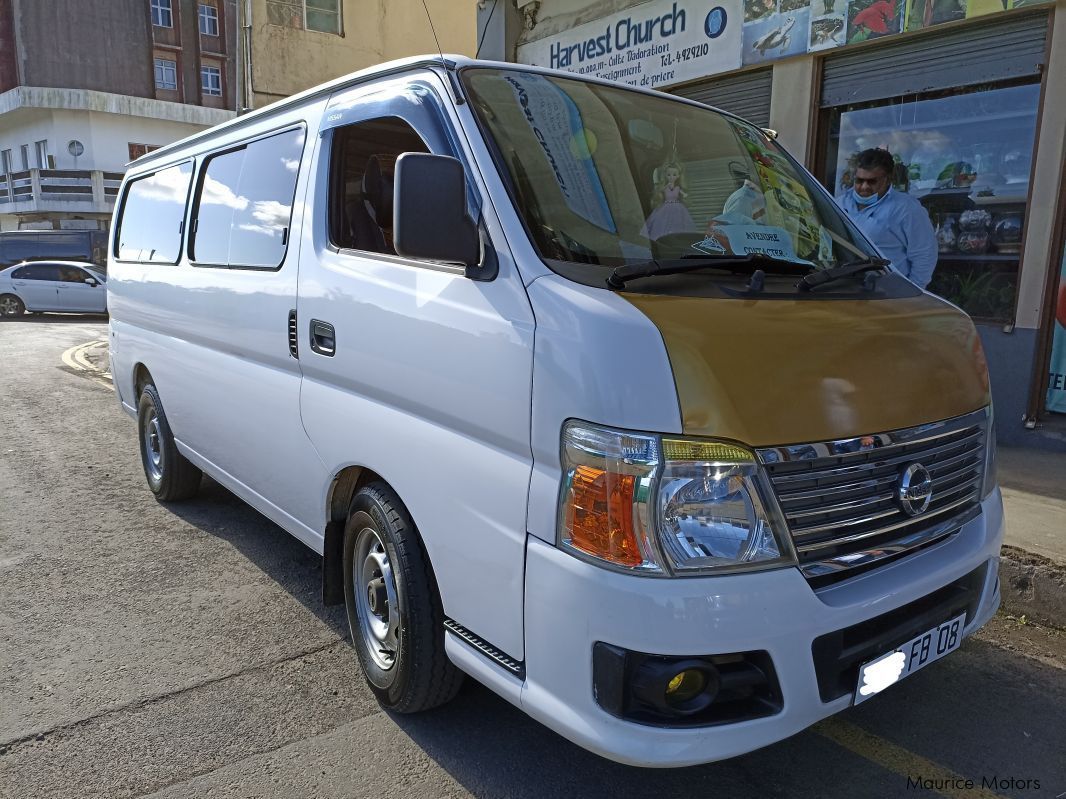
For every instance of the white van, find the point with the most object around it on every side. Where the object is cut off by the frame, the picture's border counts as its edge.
(588, 392)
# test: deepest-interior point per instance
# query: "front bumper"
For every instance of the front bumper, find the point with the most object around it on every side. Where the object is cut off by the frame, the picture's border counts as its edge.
(571, 604)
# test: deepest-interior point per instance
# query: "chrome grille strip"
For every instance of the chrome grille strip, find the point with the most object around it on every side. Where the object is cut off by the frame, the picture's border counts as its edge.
(974, 439)
(853, 504)
(841, 499)
(866, 557)
(815, 493)
(881, 530)
(807, 532)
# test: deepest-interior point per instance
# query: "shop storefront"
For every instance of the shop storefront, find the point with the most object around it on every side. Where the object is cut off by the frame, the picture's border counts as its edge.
(961, 93)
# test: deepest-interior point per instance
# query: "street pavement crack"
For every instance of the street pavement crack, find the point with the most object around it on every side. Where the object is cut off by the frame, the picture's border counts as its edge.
(40, 735)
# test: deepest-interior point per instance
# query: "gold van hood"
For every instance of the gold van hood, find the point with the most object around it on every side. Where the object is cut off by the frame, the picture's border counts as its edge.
(774, 372)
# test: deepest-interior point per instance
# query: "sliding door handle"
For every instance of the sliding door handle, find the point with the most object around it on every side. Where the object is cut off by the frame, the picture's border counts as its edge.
(323, 338)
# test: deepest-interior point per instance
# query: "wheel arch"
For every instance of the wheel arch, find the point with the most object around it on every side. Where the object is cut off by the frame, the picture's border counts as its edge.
(343, 487)
(141, 378)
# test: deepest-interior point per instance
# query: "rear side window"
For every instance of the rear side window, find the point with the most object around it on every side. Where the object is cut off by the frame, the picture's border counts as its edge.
(244, 203)
(152, 216)
(39, 272)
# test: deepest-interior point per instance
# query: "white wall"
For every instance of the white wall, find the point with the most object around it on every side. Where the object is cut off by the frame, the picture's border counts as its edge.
(105, 136)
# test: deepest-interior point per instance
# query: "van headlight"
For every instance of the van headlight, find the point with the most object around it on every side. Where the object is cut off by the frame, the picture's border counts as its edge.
(665, 505)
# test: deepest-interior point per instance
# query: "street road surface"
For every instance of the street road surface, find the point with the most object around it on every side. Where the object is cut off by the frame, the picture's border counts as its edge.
(183, 651)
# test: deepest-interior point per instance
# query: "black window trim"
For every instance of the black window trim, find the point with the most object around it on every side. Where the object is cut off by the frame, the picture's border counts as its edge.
(193, 203)
(488, 266)
(121, 215)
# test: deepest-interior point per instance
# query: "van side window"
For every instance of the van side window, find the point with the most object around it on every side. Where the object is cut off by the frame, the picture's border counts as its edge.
(149, 227)
(243, 204)
(360, 191)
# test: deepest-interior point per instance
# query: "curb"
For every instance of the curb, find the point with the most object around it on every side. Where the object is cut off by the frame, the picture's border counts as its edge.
(1033, 586)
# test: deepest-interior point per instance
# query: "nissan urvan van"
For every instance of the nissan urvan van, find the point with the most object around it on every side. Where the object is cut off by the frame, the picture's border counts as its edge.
(588, 392)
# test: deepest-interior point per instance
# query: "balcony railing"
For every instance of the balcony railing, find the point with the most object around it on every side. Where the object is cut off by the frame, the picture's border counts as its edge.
(79, 188)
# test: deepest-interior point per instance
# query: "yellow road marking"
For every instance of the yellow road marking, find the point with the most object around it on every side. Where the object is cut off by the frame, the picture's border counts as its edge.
(901, 761)
(77, 359)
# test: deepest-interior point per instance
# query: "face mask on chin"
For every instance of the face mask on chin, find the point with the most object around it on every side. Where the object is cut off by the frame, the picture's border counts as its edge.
(866, 200)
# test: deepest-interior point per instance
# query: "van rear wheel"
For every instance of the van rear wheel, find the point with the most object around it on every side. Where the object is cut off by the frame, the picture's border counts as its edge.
(170, 475)
(394, 610)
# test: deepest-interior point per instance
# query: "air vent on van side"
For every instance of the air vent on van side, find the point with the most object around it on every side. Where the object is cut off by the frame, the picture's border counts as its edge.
(294, 349)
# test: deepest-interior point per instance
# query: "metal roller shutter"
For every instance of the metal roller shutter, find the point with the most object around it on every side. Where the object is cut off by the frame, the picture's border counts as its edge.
(967, 55)
(746, 95)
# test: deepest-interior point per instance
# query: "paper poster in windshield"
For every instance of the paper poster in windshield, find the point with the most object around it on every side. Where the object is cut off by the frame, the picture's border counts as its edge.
(567, 146)
(788, 204)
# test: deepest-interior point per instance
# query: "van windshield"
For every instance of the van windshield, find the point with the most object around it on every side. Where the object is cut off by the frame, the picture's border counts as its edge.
(606, 176)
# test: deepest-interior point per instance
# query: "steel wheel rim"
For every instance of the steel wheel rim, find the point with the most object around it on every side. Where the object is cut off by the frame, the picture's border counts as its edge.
(153, 446)
(8, 306)
(374, 586)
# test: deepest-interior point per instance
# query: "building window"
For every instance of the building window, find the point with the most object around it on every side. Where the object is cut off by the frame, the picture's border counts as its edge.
(5, 162)
(312, 15)
(162, 14)
(211, 81)
(25, 150)
(166, 74)
(41, 148)
(208, 20)
(137, 150)
(965, 154)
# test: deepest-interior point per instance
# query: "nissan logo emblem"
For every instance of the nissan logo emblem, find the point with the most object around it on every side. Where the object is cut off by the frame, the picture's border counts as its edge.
(915, 489)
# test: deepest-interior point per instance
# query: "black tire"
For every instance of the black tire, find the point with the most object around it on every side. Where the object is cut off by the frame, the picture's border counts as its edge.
(170, 475)
(418, 675)
(11, 306)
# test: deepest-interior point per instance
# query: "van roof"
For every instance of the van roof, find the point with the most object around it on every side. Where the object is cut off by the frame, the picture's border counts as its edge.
(449, 61)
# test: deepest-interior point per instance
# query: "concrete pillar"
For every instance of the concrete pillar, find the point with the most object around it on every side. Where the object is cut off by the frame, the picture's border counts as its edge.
(1044, 193)
(35, 185)
(499, 25)
(791, 103)
(99, 198)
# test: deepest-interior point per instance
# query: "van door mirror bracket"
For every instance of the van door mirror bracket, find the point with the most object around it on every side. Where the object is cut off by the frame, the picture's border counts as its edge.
(430, 221)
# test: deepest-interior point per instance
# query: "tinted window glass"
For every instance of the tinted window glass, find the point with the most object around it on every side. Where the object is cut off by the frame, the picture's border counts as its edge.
(245, 203)
(361, 183)
(64, 245)
(150, 225)
(22, 247)
(40, 272)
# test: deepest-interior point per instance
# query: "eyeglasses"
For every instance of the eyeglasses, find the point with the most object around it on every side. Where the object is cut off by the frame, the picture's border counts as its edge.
(869, 181)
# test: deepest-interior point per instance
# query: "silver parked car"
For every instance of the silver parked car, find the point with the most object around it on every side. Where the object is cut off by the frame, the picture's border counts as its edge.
(63, 286)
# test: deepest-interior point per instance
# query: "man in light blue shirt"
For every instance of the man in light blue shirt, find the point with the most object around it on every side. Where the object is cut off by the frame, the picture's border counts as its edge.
(896, 223)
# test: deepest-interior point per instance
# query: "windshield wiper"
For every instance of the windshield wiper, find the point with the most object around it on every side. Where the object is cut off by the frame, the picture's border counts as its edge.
(690, 263)
(820, 278)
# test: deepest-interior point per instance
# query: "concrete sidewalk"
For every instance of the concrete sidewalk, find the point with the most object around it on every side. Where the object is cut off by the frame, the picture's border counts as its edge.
(1033, 567)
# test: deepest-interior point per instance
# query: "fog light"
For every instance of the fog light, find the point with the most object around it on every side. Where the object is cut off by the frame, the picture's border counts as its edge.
(685, 686)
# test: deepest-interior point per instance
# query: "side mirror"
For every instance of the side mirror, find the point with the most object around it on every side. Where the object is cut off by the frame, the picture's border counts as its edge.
(429, 219)
(92, 281)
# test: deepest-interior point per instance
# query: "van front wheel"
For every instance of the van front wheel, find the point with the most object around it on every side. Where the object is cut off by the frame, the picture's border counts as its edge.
(170, 475)
(394, 611)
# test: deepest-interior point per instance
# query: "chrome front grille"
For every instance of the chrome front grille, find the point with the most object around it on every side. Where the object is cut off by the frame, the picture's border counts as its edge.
(841, 499)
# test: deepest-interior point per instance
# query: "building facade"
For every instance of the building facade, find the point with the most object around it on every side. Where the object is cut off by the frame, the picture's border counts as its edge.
(87, 87)
(967, 95)
(291, 45)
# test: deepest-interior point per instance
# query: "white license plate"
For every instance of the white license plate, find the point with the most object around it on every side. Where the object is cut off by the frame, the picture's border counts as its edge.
(907, 658)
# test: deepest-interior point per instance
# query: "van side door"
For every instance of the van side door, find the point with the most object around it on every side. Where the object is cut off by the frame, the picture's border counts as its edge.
(426, 375)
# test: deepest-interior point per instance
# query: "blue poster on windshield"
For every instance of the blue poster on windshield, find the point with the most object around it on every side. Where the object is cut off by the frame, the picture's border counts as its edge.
(566, 144)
